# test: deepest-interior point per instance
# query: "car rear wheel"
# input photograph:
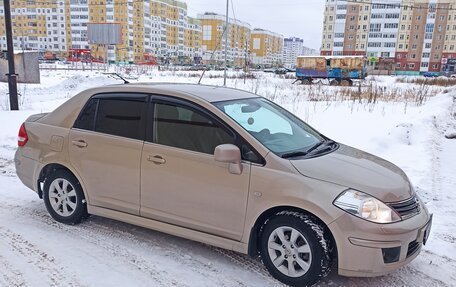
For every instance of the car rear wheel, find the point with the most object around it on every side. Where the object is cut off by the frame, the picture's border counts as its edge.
(64, 198)
(294, 249)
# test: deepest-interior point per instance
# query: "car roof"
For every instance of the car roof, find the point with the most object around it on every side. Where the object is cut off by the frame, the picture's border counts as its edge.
(204, 92)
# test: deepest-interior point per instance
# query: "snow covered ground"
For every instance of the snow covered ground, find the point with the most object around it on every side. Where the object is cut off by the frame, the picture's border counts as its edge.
(37, 251)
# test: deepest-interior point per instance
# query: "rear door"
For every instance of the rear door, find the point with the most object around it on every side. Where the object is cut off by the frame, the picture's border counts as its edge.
(181, 183)
(105, 149)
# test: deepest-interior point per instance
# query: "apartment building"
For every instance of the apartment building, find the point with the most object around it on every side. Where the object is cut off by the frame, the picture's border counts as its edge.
(266, 48)
(213, 41)
(36, 26)
(179, 35)
(258, 46)
(151, 28)
(418, 35)
(292, 48)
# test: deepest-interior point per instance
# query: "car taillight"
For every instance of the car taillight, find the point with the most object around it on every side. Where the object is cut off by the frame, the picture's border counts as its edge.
(22, 138)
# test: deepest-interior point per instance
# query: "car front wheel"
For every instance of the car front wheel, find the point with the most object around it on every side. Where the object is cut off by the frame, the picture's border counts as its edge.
(294, 249)
(64, 198)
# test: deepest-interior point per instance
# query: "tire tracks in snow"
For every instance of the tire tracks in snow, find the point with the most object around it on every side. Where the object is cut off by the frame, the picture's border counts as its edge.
(97, 231)
(10, 276)
(7, 167)
(98, 237)
(37, 258)
(253, 265)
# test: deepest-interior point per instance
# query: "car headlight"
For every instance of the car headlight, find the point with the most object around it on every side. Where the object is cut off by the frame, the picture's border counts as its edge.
(366, 207)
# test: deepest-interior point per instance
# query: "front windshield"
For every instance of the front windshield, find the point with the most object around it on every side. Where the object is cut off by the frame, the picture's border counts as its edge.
(277, 129)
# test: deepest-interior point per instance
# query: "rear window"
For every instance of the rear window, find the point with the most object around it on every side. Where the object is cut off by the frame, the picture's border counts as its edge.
(86, 120)
(119, 116)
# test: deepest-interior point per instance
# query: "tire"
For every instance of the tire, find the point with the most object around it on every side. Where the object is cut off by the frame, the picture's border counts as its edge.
(306, 82)
(310, 260)
(334, 83)
(345, 83)
(64, 198)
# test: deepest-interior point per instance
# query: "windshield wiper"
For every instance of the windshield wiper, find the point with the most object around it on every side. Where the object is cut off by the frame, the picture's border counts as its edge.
(315, 146)
(326, 143)
(323, 145)
(293, 154)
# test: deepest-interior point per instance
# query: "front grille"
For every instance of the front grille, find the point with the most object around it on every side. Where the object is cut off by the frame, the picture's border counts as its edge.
(413, 247)
(407, 208)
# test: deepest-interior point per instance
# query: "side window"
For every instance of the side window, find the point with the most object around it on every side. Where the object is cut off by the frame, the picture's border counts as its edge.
(86, 120)
(187, 129)
(121, 117)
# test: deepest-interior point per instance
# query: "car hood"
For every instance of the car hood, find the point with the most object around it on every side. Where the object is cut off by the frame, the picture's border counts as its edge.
(359, 170)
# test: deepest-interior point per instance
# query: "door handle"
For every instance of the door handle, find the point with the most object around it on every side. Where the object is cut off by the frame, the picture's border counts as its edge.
(79, 143)
(156, 159)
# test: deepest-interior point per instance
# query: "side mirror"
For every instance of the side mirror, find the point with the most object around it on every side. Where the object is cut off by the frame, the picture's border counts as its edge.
(231, 154)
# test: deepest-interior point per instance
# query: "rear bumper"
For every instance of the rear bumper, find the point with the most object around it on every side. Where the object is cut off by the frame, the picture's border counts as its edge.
(362, 246)
(26, 169)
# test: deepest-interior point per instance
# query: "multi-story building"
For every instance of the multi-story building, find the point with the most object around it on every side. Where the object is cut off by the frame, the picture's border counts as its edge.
(306, 51)
(213, 40)
(151, 28)
(292, 48)
(192, 39)
(418, 35)
(266, 48)
(36, 26)
(178, 35)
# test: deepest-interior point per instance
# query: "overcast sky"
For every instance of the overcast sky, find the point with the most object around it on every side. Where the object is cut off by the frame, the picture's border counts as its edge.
(298, 18)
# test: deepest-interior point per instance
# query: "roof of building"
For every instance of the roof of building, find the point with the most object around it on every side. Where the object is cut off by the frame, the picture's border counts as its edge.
(220, 17)
(264, 31)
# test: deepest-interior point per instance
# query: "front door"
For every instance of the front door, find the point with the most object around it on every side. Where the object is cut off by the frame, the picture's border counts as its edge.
(181, 183)
(105, 147)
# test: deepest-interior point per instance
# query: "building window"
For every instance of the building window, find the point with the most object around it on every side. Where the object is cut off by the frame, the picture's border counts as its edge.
(389, 45)
(375, 27)
(429, 27)
(340, 16)
(207, 32)
(391, 25)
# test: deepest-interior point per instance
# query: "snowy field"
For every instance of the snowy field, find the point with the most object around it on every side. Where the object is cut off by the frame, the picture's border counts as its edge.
(37, 251)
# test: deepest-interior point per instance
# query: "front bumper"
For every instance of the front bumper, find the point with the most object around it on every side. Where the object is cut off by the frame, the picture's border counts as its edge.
(363, 247)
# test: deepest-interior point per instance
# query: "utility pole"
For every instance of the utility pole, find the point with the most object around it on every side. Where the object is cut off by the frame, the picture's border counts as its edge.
(12, 81)
(226, 41)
